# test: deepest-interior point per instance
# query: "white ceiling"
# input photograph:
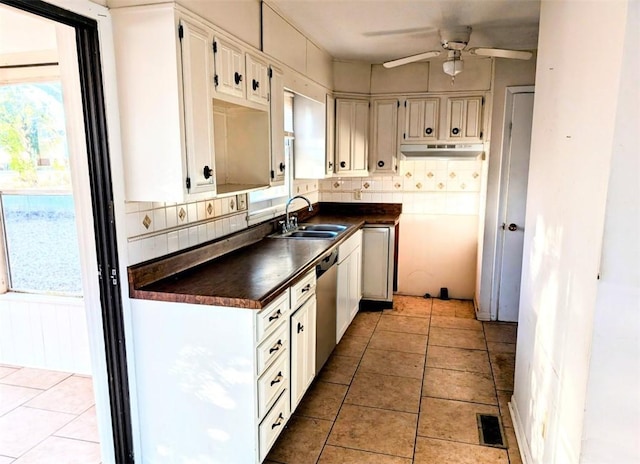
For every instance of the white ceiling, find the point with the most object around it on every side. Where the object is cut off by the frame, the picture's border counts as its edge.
(379, 30)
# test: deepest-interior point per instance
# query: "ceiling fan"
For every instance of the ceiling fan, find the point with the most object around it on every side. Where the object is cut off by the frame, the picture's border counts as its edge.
(454, 41)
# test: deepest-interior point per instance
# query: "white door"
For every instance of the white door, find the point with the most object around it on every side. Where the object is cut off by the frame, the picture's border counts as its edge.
(513, 198)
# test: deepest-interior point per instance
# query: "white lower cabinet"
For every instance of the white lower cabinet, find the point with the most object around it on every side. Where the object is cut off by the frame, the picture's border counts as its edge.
(303, 350)
(377, 263)
(216, 382)
(349, 291)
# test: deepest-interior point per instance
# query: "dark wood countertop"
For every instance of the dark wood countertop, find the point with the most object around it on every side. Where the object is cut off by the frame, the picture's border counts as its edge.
(253, 275)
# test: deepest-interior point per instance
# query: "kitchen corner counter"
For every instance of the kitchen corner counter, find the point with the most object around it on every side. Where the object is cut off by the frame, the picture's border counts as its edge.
(249, 269)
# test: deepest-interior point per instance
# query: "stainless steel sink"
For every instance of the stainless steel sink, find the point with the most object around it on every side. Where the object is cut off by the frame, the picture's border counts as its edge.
(323, 227)
(312, 234)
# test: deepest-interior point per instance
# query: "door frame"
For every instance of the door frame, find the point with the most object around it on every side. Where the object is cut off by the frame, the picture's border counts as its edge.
(510, 92)
(95, 119)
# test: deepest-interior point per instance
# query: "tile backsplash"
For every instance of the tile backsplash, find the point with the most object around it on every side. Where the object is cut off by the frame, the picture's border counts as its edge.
(449, 187)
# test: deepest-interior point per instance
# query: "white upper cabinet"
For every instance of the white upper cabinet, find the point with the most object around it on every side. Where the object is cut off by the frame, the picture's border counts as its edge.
(352, 135)
(257, 80)
(384, 135)
(464, 118)
(330, 145)
(278, 166)
(165, 105)
(229, 68)
(421, 119)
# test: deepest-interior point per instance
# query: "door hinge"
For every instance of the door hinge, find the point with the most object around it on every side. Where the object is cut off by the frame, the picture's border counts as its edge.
(481, 135)
(398, 102)
(215, 47)
(99, 271)
(215, 80)
(273, 174)
(405, 103)
(180, 32)
(270, 73)
(114, 277)
(482, 101)
(188, 183)
(404, 135)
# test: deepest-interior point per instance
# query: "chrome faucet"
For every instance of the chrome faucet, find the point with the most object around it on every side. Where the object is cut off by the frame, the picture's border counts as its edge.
(291, 223)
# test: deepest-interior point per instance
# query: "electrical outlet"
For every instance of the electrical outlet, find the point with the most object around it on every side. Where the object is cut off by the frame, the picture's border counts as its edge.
(357, 194)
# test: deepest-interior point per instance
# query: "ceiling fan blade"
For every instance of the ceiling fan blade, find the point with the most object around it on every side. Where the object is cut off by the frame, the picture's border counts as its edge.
(501, 53)
(411, 59)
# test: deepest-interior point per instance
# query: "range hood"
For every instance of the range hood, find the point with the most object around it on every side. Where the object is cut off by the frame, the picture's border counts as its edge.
(442, 150)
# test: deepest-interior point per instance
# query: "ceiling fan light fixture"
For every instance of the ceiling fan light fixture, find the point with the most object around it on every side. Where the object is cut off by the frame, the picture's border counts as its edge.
(453, 67)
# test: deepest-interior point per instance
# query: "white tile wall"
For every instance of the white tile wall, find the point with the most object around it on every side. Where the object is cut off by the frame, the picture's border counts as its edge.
(167, 233)
(439, 187)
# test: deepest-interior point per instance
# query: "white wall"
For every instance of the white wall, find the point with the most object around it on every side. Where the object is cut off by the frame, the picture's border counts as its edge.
(612, 412)
(577, 81)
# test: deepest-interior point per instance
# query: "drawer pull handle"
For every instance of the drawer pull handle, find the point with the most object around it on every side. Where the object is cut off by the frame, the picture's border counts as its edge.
(278, 421)
(306, 288)
(278, 379)
(275, 316)
(275, 347)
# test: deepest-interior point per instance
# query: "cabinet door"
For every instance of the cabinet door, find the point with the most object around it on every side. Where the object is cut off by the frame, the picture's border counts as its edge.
(355, 282)
(464, 118)
(277, 127)
(331, 134)
(229, 68)
(198, 117)
(360, 137)
(421, 119)
(343, 135)
(343, 308)
(384, 136)
(375, 263)
(257, 80)
(303, 350)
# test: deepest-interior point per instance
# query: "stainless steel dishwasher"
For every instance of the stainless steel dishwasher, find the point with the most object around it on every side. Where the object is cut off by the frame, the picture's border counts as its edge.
(326, 286)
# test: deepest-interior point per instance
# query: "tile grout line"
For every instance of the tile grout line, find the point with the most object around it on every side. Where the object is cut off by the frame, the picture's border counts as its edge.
(424, 375)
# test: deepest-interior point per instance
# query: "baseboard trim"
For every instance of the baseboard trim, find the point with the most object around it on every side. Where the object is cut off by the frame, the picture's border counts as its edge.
(523, 445)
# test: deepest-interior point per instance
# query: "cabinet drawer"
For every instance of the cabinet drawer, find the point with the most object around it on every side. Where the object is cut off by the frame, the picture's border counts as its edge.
(272, 382)
(272, 347)
(271, 316)
(273, 424)
(303, 289)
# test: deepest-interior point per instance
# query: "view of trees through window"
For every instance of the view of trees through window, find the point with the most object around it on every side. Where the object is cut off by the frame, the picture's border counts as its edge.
(35, 189)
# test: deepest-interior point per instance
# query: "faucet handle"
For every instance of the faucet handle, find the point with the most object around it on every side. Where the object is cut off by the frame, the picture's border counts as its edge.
(283, 226)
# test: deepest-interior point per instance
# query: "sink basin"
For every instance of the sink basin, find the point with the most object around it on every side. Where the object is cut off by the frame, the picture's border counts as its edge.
(323, 227)
(311, 234)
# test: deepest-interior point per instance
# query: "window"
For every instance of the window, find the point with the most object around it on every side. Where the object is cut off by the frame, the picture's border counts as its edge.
(38, 219)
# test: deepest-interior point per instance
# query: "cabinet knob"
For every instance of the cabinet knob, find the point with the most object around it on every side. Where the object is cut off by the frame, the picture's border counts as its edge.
(255, 85)
(207, 172)
(513, 227)
(281, 167)
(237, 77)
(343, 164)
(455, 131)
(428, 131)
(380, 164)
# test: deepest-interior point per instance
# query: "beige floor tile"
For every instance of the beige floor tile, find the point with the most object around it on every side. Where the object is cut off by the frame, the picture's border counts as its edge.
(62, 451)
(459, 385)
(449, 307)
(337, 455)
(395, 341)
(504, 397)
(23, 428)
(451, 420)
(301, 441)
(73, 395)
(503, 366)
(339, 369)
(460, 359)
(455, 323)
(85, 427)
(385, 392)
(512, 442)
(375, 430)
(6, 370)
(467, 312)
(35, 378)
(11, 396)
(410, 306)
(457, 338)
(499, 347)
(322, 400)
(364, 323)
(393, 363)
(352, 345)
(500, 332)
(432, 451)
(403, 324)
